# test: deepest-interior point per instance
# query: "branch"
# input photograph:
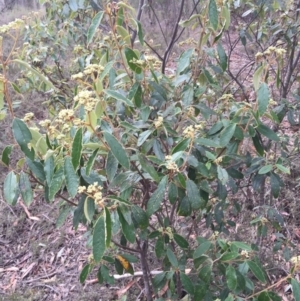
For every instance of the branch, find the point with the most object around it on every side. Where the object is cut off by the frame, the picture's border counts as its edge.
(168, 50)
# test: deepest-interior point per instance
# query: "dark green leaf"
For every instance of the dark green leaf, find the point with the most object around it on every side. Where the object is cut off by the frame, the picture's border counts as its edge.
(111, 166)
(94, 26)
(257, 271)
(117, 149)
(231, 278)
(160, 247)
(172, 258)
(62, 217)
(6, 154)
(72, 180)
(84, 273)
(206, 142)
(206, 271)
(25, 188)
(127, 229)
(203, 248)
(296, 289)
(106, 276)
(56, 183)
(222, 56)
(159, 280)
(213, 14)
(143, 137)
(181, 146)
(193, 194)
(157, 197)
(37, 169)
(275, 184)
(184, 60)
(140, 217)
(264, 296)
(99, 239)
(148, 167)
(172, 193)
(229, 256)
(90, 162)
(182, 242)
(257, 144)
(77, 148)
(108, 227)
(187, 283)
(49, 169)
(130, 58)
(23, 136)
(136, 93)
(263, 97)
(242, 246)
(10, 188)
(89, 209)
(227, 134)
(116, 95)
(184, 207)
(264, 130)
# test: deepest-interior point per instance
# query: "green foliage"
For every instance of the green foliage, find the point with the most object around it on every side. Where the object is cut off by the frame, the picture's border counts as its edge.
(139, 152)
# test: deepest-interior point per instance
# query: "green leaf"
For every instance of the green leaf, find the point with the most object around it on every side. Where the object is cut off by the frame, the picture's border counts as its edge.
(241, 245)
(257, 144)
(229, 256)
(157, 197)
(117, 149)
(10, 188)
(226, 134)
(181, 146)
(265, 169)
(6, 155)
(172, 258)
(108, 227)
(49, 166)
(84, 273)
(257, 76)
(182, 242)
(204, 247)
(264, 296)
(172, 193)
(187, 283)
(263, 97)
(91, 162)
(23, 136)
(213, 14)
(99, 239)
(77, 148)
(205, 272)
(62, 217)
(229, 298)
(264, 130)
(283, 168)
(275, 184)
(231, 278)
(222, 56)
(56, 183)
(193, 194)
(140, 217)
(72, 179)
(111, 166)
(143, 137)
(160, 247)
(130, 57)
(25, 188)
(140, 33)
(184, 207)
(222, 175)
(296, 289)
(257, 271)
(73, 5)
(136, 93)
(37, 169)
(206, 142)
(127, 229)
(94, 26)
(118, 96)
(148, 167)
(89, 208)
(184, 61)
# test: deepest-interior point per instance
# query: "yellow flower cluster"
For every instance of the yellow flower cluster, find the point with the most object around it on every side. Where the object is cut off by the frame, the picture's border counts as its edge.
(18, 23)
(66, 115)
(93, 68)
(78, 76)
(189, 132)
(245, 254)
(87, 99)
(171, 165)
(94, 191)
(158, 123)
(28, 117)
(279, 52)
(296, 262)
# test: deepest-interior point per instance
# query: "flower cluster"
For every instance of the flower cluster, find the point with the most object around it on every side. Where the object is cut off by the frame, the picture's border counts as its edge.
(66, 115)
(87, 99)
(279, 52)
(158, 123)
(18, 23)
(94, 191)
(93, 68)
(28, 117)
(171, 165)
